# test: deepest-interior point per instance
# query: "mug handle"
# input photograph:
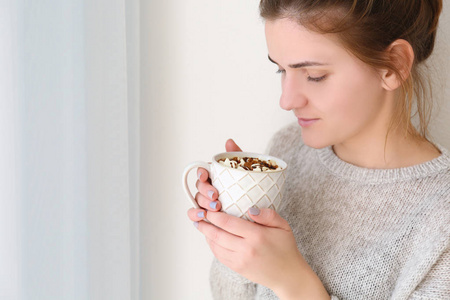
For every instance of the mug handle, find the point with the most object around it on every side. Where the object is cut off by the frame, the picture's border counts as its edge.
(186, 172)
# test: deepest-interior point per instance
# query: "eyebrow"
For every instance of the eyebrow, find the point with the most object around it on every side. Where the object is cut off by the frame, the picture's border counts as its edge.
(300, 65)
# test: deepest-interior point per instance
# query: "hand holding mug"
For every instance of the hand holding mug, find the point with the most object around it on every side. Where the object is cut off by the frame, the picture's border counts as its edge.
(207, 196)
(248, 179)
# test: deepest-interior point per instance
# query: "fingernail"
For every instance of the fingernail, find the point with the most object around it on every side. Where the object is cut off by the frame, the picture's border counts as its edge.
(201, 214)
(213, 205)
(199, 175)
(196, 224)
(211, 194)
(254, 211)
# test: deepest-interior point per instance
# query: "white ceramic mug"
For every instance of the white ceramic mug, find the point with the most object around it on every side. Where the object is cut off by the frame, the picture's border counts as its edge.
(241, 189)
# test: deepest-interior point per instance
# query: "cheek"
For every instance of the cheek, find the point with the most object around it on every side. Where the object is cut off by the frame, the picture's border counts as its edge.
(355, 99)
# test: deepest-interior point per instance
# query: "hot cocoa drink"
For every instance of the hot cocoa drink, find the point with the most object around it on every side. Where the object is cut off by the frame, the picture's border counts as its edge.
(250, 164)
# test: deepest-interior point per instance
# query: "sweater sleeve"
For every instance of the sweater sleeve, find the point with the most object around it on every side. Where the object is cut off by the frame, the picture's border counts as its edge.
(227, 284)
(436, 285)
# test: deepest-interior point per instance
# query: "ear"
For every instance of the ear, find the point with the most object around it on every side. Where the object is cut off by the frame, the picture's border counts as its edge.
(401, 54)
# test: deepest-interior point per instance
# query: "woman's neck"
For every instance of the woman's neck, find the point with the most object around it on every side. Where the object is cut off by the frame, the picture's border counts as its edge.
(395, 151)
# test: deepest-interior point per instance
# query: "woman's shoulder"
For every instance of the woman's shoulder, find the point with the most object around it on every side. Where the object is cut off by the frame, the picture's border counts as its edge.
(441, 168)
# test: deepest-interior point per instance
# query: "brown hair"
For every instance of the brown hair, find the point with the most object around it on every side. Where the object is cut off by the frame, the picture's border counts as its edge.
(367, 28)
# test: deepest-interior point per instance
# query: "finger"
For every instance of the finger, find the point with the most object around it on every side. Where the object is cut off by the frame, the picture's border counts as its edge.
(207, 190)
(220, 237)
(202, 174)
(207, 203)
(268, 217)
(196, 214)
(231, 224)
(231, 146)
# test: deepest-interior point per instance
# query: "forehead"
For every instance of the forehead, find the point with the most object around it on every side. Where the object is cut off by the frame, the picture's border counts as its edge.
(287, 40)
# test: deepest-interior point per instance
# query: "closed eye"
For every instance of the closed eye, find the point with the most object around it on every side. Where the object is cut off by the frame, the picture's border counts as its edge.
(313, 79)
(316, 79)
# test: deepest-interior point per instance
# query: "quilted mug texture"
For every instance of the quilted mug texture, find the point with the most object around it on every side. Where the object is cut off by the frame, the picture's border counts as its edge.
(239, 190)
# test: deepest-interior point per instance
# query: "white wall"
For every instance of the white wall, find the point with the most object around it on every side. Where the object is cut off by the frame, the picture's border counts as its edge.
(440, 74)
(205, 78)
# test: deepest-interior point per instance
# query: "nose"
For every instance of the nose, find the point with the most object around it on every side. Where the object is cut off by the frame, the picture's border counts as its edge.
(291, 94)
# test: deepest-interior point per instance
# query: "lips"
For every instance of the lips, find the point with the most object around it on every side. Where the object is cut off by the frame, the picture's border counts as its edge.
(304, 122)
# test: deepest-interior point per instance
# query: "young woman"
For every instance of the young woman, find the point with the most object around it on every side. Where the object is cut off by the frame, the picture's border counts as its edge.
(366, 210)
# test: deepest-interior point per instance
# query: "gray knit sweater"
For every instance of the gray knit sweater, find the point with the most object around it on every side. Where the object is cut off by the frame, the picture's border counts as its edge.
(368, 234)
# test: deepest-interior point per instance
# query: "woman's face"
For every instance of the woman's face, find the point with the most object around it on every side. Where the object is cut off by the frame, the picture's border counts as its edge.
(337, 98)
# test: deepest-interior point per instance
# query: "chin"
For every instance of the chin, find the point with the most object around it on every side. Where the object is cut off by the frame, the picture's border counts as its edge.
(315, 142)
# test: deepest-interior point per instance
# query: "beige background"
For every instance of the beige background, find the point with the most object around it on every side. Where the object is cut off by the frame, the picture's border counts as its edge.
(205, 78)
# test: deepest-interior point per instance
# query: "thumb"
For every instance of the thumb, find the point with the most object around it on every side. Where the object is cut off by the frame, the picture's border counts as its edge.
(268, 217)
(231, 146)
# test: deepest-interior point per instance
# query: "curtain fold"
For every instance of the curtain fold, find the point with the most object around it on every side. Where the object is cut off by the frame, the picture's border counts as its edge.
(69, 160)
(9, 173)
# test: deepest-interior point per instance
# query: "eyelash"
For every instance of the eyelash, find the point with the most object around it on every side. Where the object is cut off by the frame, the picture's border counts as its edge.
(313, 79)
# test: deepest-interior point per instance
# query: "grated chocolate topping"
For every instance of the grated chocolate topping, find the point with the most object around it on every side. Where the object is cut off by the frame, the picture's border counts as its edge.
(250, 164)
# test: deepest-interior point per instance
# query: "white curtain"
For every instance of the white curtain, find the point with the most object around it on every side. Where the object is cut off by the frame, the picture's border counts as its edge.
(69, 149)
